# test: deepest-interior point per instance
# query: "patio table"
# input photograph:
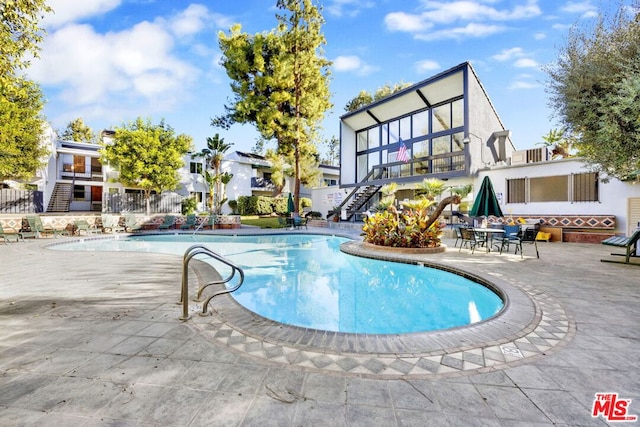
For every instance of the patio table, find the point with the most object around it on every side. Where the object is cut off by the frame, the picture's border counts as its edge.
(486, 232)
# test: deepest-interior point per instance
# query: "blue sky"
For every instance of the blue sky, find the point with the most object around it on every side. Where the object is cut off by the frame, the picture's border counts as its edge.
(110, 61)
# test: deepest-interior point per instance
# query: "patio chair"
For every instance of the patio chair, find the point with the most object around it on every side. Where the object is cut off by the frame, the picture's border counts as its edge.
(282, 222)
(131, 224)
(14, 235)
(82, 225)
(189, 223)
(468, 239)
(168, 222)
(629, 243)
(36, 225)
(111, 224)
(510, 237)
(458, 233)
(527, 236)
(299, 222)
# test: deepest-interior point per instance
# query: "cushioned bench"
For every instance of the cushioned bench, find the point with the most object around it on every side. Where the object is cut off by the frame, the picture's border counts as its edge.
(629, 243)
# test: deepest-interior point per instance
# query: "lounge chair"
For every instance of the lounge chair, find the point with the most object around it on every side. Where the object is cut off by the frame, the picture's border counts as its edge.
(131, 224)
(82, 225)
(36, 225)
(629, 243)
(167, 223)
(111, 224)
(14, 235)
(189, 223)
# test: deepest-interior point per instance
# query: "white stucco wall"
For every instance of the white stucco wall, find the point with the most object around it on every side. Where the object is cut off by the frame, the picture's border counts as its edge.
(614, 195)
(325, 198)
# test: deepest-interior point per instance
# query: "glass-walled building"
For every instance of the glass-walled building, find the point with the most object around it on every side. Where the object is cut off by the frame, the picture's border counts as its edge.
(443, 127)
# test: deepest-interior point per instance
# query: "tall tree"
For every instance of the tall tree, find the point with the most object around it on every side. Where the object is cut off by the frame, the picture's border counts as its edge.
(22, 151)
(333, 152)
(147, 156)
(595, 92)
(280, 81)
(77, 131)
(214, 154)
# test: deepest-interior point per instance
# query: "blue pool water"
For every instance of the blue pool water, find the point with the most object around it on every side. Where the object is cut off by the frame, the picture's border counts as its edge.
(304, 280)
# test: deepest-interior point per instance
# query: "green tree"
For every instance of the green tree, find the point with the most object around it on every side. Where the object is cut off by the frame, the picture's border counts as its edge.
(147, 156)
(21, 125)
(214, 154)
(22, 151)
(595, 91)
(280, 81)
(77, 131)
(560, 143)
(333, 152)
(366, 98)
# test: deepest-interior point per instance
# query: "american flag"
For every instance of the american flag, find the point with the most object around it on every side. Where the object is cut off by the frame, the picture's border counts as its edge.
(402, 156)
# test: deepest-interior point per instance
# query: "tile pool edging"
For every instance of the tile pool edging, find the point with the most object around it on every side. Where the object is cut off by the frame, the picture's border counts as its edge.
(488, 346)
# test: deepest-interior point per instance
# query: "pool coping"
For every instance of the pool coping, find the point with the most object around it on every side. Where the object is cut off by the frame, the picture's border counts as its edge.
(518, 317)
(530, 325)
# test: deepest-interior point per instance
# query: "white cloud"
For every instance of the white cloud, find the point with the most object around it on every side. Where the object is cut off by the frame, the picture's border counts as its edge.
(508, 54)
(66, 11)
(352, 63)
(426, 65)
(458, 19)
(190, 21)
(526, 63)
(540, 36)
(136, 65)
(580, 7)
(348, 7)
(470, 30)
(400, 21)
(346, 63)
(524, 81)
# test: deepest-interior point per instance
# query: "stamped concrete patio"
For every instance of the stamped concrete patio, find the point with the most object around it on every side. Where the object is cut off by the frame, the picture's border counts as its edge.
(94, 339)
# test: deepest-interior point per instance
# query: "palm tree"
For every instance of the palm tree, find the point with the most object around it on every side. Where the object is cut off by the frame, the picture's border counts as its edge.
(214, 154)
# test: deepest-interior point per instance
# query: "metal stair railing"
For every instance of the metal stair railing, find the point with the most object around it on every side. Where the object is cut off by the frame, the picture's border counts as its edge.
(360, 195)
(184, 293)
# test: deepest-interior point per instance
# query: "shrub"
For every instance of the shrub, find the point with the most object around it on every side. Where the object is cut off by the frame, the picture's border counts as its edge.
(189, 205)
(407, 229)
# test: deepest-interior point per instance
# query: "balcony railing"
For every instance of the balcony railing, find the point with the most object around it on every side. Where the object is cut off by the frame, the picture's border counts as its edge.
(439, 165)
(262, 184)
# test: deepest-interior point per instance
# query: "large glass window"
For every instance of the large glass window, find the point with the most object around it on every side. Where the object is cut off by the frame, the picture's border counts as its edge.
(362, 141)
(195, 167)
(420, 124)
(362, 167)
(384, 138)
(441, 145)
(405, 128)
(457, 113)
(394, 131)
(421, 149)
(441, 118)
(374, 137)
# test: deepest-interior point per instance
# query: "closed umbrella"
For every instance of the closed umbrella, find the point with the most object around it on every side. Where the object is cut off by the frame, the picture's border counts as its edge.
(290, 205)
(486, 202)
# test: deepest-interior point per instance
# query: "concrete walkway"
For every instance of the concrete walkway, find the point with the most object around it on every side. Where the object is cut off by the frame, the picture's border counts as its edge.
(93, 339)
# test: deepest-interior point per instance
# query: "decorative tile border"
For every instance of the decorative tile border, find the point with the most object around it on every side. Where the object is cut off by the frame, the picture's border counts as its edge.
(531, 325)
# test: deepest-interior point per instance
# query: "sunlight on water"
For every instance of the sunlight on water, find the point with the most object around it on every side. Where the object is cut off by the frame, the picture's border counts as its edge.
(305, 280)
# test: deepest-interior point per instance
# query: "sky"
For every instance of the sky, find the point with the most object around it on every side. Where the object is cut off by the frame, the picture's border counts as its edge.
(111, 61)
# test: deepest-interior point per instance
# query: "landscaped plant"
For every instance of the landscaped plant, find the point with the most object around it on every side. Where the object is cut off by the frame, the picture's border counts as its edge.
(416, 226)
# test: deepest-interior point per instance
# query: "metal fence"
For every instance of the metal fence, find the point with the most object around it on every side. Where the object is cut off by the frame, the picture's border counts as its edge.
(136, 203)
(20, 201)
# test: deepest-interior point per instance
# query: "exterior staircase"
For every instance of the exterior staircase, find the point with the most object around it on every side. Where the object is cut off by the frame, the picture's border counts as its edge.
(360, 198)
(61, 198)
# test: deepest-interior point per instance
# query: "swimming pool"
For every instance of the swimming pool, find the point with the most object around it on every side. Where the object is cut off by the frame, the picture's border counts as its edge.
(305, 280)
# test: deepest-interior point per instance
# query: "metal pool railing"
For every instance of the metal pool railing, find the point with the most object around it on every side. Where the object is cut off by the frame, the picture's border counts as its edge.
(184, 294)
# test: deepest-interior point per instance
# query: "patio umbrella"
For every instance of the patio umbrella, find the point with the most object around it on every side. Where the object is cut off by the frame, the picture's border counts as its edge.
(486, 202)
(290, 205)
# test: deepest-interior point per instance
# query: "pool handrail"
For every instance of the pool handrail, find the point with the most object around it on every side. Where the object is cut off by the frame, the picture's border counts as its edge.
(184, 293)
